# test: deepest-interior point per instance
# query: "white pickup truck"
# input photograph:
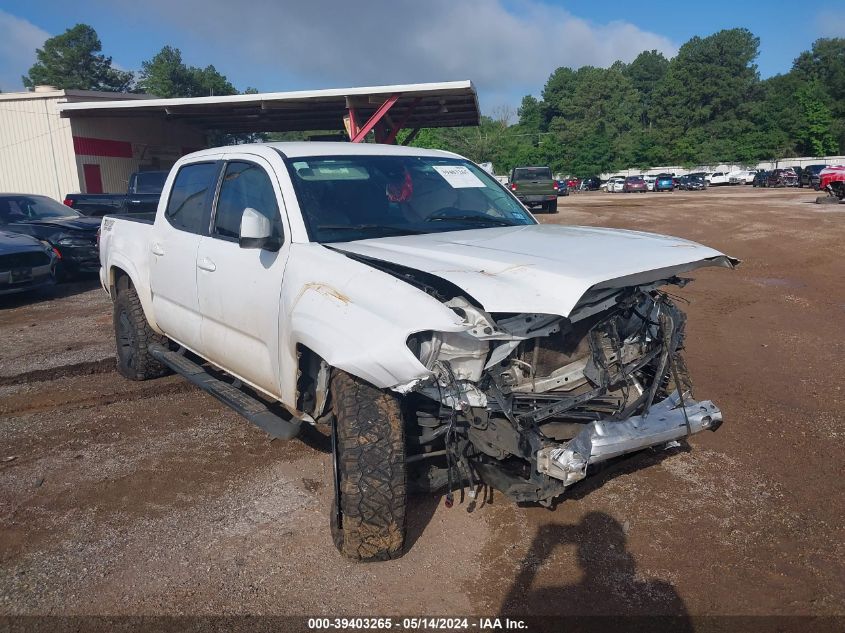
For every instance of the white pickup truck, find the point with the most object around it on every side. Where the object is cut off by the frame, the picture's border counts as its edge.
(407, 301)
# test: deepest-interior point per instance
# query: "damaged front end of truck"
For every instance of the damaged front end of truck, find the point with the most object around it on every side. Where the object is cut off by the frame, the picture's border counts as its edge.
(527, 403)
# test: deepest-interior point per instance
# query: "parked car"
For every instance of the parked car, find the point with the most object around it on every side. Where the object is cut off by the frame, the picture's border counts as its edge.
(592, 183)
(810, 176)
(793, 174)
(761, 179)
(691, 183)
(562, 188)
(718, 178)
(832, 180)
(742, 176)
(142, 196)
(702, 175)
(381, 291)
(634, 184)
(649, 182)
(616, 184)
(535, 188)
(73, 235)
(25, 263)
(782, 178)
(664, 182)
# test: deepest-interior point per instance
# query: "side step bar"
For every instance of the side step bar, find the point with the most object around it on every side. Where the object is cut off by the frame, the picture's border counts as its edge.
(253, 410)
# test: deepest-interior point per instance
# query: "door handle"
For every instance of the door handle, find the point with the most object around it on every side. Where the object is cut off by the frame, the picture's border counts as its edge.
(206, 264)
(157, 249)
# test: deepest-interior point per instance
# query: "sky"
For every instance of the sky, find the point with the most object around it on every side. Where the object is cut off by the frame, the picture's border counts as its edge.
(507, 48)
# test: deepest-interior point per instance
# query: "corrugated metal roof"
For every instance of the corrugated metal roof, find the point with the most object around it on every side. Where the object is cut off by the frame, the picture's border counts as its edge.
(72, 95)
(446, 104)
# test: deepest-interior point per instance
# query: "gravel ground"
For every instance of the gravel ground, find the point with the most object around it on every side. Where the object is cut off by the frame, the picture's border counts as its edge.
(122, 498)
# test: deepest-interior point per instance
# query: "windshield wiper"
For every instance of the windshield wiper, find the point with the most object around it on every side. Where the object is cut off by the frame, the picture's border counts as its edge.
(395, 230)
(469, 218)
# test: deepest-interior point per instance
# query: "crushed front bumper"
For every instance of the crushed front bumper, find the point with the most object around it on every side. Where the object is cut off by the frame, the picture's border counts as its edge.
(606, 439)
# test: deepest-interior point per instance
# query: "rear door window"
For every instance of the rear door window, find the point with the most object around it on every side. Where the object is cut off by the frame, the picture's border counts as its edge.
(189, 205)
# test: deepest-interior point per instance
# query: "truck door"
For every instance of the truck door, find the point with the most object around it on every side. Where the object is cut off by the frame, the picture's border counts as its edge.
(240, 288)
(173, 252)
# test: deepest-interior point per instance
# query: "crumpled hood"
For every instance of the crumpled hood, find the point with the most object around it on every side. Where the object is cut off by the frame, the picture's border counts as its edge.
(540, 268)
(83, 224)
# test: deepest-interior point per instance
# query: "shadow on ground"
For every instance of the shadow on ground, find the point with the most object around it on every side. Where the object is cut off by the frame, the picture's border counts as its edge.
(605, 582)
(49, 293)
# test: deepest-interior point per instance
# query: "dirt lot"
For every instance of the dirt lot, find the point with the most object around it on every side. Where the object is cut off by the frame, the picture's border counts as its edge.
(151, 498)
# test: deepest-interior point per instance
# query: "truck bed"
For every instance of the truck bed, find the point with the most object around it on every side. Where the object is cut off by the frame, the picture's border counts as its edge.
(142, 218)
(125, 242)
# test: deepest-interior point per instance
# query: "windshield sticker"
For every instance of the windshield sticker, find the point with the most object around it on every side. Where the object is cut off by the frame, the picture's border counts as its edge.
(458, 176)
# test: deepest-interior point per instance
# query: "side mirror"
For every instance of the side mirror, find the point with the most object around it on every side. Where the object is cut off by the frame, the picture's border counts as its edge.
(256, 231)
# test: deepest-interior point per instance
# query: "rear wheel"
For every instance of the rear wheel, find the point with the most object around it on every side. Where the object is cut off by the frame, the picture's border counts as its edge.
(368, 517)
(133, 335)
(552, 206)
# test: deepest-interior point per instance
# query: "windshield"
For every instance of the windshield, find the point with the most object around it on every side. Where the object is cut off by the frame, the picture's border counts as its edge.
(27, 208)
(150, 181)
(531, 173)
(346, 198)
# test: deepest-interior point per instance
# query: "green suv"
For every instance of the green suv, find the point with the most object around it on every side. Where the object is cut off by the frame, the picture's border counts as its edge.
(535, 187)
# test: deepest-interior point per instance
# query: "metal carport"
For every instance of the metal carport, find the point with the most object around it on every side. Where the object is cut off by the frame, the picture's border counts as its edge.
(382, 110)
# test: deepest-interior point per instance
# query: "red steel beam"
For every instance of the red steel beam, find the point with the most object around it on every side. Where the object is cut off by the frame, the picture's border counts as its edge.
(391, 138)
(373, 120)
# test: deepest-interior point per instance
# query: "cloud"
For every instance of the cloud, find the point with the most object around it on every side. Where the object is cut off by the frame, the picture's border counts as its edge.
(18, 41)
(505, 51)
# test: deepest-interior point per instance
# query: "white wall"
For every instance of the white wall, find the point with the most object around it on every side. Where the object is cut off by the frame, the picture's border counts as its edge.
(155, 143)
(36, 149)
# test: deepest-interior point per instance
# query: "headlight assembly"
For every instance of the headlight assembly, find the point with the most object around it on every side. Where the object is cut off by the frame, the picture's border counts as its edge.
(74, 241)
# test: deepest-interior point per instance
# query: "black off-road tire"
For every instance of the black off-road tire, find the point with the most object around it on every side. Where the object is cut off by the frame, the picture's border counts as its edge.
(552, 206)
(368, 519)
(132, 337)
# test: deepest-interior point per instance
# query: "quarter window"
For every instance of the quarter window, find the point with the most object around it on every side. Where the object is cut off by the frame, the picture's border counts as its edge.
(245, 185)
(190, 195)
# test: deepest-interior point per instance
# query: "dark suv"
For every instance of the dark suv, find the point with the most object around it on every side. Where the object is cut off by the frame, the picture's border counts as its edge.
(593, 183)
(810, 176)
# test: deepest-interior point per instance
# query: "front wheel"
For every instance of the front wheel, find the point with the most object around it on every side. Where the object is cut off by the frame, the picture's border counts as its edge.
(368, 516)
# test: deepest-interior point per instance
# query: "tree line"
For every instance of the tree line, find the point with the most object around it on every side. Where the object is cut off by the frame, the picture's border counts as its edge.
(706, 105)
(74, 60)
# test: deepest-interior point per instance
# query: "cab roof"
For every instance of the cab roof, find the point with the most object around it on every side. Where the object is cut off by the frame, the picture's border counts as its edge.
(303, 149)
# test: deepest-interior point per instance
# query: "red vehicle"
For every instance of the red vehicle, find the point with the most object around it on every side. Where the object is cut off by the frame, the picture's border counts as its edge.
(782, 178)
(832, 180)
(634, 184)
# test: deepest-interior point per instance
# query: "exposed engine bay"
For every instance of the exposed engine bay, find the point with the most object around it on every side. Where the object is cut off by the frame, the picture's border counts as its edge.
(527, 402)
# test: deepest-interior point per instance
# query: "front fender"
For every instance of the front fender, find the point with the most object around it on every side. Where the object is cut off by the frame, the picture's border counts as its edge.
(355, 317)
